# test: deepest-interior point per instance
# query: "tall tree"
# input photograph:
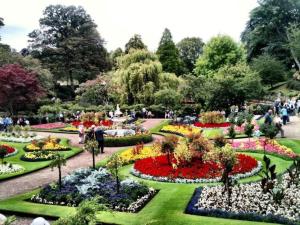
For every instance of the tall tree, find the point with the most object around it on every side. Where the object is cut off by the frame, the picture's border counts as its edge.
(69, 44)
(19, 88)
(218, 52)
(139, 76)
(135, 43)
(114, 55)
(189, 51)
(1, 24)
(168, 54)
(270, 69)
(266, 31)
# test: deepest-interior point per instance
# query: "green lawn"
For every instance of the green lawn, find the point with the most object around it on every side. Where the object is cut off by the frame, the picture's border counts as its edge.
(291, 143)
(32, 166)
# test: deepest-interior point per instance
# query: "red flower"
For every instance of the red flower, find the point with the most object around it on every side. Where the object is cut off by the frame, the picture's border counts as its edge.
(211, 125)
(159, 167)
(8, 149)
(49, 125)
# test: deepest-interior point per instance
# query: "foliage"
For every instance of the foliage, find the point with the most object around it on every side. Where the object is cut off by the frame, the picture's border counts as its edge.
(270, 69)
(182, 154)
(189, 51)
(69, 44)
(135, 43)
(199, 145)
(294, 172)
(127, 140)
(114, 164)
(168, 54)
(218, 52)
(212, 117)
(249, 129)
(231, 132)
(168, 97)
(59, 161)
(266, 30)
(3, 152)
(220, 141)
(92, 147)
(268, 181)
(168, 146)
(139, 72)
(85, 213)
(19, 88)
(270, 130)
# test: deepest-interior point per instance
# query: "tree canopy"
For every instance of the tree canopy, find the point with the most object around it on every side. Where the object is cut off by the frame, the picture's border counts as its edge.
(135, 43)
(266, 30)
(168, 54)
(218, 52)
(189, 51)
(19, 88)
(69, 44)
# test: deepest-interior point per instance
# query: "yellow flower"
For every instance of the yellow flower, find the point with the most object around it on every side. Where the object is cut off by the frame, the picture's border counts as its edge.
(183, 130)
(128, 156)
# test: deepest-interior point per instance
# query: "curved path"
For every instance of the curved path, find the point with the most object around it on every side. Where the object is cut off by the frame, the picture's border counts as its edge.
(37, 179)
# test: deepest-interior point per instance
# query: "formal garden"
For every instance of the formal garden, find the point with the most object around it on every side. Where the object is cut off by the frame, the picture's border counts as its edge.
(193, 132)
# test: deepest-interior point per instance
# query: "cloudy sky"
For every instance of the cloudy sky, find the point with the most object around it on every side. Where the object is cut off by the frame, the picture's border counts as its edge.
(118, 20)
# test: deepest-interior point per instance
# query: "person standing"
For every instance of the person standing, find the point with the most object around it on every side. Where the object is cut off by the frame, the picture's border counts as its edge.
(268, 118)
(278, 124)
(81, 133)
(284, 114)
(99, 134)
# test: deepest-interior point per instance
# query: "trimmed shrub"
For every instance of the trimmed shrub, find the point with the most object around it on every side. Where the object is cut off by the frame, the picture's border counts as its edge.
(127, 141)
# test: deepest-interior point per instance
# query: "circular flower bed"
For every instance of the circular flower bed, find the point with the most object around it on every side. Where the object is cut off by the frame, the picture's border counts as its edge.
(10, 151)
(182, 130)
(8, 168)
(211, 125)
(38, 156)
(49, 144)
(197, 171)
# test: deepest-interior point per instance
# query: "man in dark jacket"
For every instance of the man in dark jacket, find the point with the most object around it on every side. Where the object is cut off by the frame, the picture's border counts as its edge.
(99, 134)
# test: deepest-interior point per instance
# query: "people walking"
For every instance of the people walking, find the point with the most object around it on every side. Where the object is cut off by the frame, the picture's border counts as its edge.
(81, 133)
(268, 117)
(284, 114)
(99, 134)
(278, 124)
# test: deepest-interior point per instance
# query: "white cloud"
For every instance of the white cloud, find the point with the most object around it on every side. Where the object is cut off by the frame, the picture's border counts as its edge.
(118, 20)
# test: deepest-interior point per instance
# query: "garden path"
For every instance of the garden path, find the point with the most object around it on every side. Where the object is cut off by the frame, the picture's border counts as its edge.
(37, 179)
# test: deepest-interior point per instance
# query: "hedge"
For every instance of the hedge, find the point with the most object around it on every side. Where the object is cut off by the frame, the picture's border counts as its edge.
(127, 141)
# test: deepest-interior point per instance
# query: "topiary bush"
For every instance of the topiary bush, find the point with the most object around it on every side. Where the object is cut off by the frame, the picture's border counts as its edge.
(127, 140)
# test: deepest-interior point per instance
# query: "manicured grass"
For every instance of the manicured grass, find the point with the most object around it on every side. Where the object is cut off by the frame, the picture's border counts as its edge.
(32, 166)
(157, 128)
(291, 143)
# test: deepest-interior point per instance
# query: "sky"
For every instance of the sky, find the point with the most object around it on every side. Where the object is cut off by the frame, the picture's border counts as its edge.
(118, 20)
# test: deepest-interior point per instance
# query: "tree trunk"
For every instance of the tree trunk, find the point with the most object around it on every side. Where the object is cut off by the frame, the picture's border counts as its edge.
(118, 182)
(59, 177)
(93, 151)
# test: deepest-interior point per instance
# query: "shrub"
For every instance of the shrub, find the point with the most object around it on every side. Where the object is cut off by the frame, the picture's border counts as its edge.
(212, 117)
(127, 140)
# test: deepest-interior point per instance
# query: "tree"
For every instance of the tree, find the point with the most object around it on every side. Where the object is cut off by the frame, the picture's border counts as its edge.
(232, 85)
(114, 56)
(59, 161)
(168, 54)
(266, 30)
(189, 51)
(1, 24)
(231, 132)
(138, 75)
(294, 42)
(135, 43)
(92, 147)
(114, 164)
(19, 88)
(218, 52)
(168, 97)
(69, 44)
(270, 69)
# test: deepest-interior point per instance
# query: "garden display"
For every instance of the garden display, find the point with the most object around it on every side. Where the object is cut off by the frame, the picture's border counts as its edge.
(212, 119)
(48, 144)
(6, 151)
(270, 146)
(250, 202)
(35, 156)
(8, 168)
(18, 134)
(47, 126)
(184, 161)
(87, 183)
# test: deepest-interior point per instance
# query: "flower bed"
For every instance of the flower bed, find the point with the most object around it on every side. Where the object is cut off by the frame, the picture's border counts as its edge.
(211, 125)
(197, 171)
(38, 156)
(182, 130)
(138, 152)
(56, 125)
(10, 151)
(19, 139)
(88, 124)
(248, 203)
(270, 147)
(8, 168)
(49, 144)
(86, 183)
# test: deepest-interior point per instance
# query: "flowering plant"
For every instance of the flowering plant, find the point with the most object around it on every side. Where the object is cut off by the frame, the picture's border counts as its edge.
(49, 144)
(49, 125)
(212, 117)
(38, 156)
(182, 130)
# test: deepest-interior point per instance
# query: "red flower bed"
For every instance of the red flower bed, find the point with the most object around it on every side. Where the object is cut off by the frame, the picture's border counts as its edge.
(211, 125)
(197, 169)
(87, 124)
(49, 125)
(9, 150)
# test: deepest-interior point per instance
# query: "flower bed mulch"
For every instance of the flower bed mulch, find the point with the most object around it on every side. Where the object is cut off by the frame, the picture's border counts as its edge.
(211, 125)
(158, 168)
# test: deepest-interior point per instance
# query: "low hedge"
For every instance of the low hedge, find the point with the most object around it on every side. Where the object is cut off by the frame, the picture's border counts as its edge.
(127, 141)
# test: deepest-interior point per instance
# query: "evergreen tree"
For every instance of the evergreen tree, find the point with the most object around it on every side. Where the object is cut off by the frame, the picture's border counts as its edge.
(135, 43)
(168, 54)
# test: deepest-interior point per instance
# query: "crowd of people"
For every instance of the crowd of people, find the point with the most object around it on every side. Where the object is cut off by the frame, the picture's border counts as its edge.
(5, 122)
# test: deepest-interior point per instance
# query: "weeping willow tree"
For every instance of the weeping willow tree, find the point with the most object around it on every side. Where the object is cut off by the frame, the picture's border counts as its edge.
(139, 73)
